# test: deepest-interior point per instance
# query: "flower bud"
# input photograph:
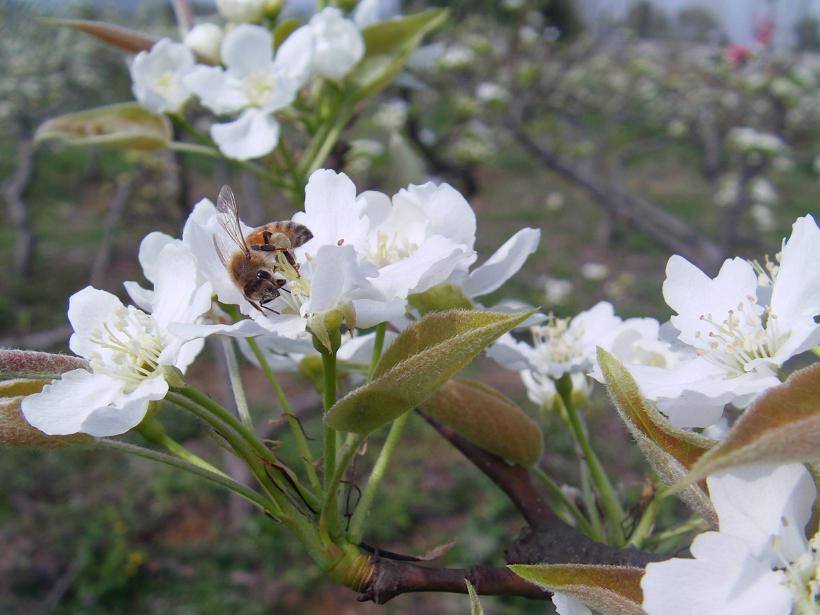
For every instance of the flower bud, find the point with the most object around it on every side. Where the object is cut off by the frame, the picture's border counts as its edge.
(327, 337)
(205, 40)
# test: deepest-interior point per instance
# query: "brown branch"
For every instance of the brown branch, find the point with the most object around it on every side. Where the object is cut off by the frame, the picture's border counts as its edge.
(14, 188)
(392, 578)
(549, 539)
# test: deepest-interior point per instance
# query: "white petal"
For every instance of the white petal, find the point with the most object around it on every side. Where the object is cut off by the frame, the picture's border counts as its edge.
(766, 506)
(294, 58)
(187, 353)
(338, 44)
(332, 212)
(504, 264)
(150, 248)
(158, 76)
(692, 294)
(216, 89)
(176, 286)
(142, 297)
(334, 273)
(567, 605)
(429, 265)
(127, 411)
(511, 353)
(796, 289)
(87, 310)
(370, 312)
(359, 349)
(253, 134)
(448, 212)
(246, 49)
(724, 579)
(240, 329)
(62, 406)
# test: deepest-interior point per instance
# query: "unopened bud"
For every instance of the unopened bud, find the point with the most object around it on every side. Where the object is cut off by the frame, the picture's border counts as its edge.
(37, 365)
(205, 40)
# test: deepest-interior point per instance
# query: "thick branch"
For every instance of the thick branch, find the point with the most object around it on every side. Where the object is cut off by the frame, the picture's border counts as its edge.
(392, 578)
(14, 187)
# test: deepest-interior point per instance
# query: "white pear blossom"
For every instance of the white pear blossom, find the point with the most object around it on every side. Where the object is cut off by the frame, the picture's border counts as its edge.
(255, 83)
(562, 345)
(158, 76)
(567, 605)
(205, 39)
(337, 44)
(128, 350)
(422, 237)
(758, 563)
(330, 276)
(737, 333)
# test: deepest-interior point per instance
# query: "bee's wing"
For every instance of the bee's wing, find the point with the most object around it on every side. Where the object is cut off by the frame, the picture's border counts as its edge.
(220, 250)
(229, 219)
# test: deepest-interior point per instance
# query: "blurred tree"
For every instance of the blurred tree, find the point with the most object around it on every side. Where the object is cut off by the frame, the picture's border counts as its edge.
(646, 21)
(807, 31)
(698, 24)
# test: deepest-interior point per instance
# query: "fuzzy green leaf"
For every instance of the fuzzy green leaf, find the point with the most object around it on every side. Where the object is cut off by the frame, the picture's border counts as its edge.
(488, 419)
(670, 452)
(781, 426)
(125, 125)
(425, 356)
(116, 36)
(610, 590)
(388, 46)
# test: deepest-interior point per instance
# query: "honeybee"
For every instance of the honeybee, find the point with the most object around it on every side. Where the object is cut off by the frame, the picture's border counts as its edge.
(264, 256)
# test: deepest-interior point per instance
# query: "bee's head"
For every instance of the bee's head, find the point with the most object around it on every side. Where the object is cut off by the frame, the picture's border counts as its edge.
(262, 286)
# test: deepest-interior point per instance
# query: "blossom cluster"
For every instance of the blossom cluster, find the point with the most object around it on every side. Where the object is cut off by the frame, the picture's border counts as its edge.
(369, 258)
(238, 72)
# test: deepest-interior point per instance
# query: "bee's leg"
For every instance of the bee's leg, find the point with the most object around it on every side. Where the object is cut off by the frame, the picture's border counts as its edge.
(280, 285)
(265, 247)
(292, 261)
(271, 310)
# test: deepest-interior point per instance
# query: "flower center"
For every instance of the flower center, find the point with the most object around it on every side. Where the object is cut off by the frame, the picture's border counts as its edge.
(803, 579)
(166, 84)
(129, 346)
(745, 335)
(259, 87)
(556, 341)
(296, 289)
(391, 248)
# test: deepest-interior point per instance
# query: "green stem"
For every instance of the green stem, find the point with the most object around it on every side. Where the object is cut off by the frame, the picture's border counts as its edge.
(609, 500)
(298, 192)
(378, 346)
(153, 431)
(329, 398)
(359, 518)
(558, 494)
(276, 489)
(236, 383)
(695, 524)
(329, 140)
(328, 517)
(218, 479)
(194, 148)
(645, 525)
(293, 422)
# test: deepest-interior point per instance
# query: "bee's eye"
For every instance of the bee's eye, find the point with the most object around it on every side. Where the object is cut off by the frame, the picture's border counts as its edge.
(262, 275)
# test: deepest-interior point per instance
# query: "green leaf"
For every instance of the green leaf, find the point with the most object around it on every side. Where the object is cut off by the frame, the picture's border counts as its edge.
(388, 47)
(610, 590)
(116, 36)
(781, 426)
(425, 356)
(488, 419)
(670, 452)
(475, 605)
(125, 125)
(439, 298)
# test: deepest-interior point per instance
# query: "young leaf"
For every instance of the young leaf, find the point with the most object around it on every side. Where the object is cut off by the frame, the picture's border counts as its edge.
(37, 365)
(610, 590)
(670, 452)
(781, 426)
(125, 125)
(475, 605)
(425, 356)
(388, 46)
(685, 446)
(489, 419)
(116, 36)
(15, 430)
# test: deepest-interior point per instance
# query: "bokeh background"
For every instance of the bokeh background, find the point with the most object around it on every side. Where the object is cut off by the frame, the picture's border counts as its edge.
(626, 131)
